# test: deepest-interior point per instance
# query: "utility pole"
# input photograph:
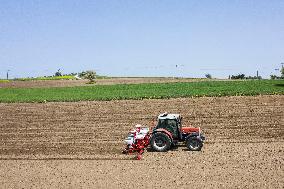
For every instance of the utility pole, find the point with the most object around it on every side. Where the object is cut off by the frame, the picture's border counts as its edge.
(8, 74)
(282, 70)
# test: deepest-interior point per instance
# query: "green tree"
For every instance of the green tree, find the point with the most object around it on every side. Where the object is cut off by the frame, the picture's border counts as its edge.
(58, 73)
(90, 75)
(273, 77)
(208, 76)
(239, 76)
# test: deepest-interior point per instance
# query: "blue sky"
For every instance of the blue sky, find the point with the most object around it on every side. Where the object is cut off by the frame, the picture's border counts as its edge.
(187, 38)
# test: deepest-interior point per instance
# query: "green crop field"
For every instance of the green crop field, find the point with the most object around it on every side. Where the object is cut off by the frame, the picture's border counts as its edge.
(4, 80)
(65, 77)
(143, 91)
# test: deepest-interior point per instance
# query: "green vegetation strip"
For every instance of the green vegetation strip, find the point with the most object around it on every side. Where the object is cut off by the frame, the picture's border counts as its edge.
(4, 80)
(65, 77)
(143, 91)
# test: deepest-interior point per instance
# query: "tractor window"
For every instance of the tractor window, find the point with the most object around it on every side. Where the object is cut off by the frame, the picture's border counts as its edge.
(172, 123)
(162, 123)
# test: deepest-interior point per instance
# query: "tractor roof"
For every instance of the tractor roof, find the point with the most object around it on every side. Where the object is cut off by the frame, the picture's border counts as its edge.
(169, 116)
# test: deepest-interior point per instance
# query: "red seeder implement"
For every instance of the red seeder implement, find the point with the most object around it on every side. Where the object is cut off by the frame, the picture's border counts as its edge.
(137, 141)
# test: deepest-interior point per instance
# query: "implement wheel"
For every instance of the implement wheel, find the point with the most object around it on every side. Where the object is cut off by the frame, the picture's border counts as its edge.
(160, 142)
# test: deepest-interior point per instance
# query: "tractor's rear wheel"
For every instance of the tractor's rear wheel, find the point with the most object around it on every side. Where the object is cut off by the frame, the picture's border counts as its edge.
(194, 144)
(160, 142)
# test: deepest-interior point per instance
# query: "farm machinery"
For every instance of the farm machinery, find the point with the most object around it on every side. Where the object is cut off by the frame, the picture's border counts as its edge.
(166, 134)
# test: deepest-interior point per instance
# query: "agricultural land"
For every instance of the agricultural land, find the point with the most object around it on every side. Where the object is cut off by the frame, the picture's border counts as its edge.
(70, 134)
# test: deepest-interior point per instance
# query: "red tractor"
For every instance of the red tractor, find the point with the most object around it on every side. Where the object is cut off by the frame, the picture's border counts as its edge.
(167, 133)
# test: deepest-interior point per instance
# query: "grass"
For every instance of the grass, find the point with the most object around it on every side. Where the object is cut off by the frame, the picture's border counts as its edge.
(143, 91)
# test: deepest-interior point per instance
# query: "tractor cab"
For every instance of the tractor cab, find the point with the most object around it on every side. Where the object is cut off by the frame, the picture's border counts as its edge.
(171, 123)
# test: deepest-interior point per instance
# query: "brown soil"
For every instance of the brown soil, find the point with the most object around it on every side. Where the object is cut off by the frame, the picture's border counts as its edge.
(73, 145)
(72, 83)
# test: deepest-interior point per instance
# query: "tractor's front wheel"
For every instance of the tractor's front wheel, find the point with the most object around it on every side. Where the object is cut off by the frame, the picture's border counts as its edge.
(194, 144)
(160, 142)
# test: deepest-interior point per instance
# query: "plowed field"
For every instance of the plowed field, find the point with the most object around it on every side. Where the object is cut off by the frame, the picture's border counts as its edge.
(71, 145)
(106, 81)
